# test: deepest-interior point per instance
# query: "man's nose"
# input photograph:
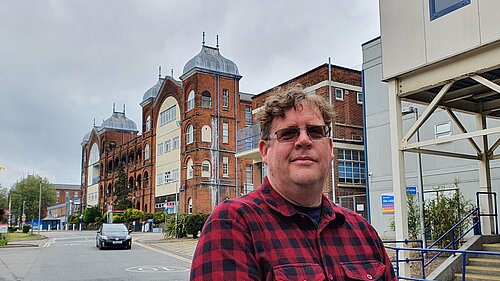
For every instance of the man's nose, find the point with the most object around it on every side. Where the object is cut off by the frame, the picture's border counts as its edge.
(303, 138)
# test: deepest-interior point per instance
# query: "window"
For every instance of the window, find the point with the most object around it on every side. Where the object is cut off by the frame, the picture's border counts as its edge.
(159, 149)
(159, 179)
(146, 152)
(175, 175)
(168, 176)
(205, 169)
(225, 132)
(167, 116)
(206, 100)
(75, 194)
(190, 205)
(360, 98)
(168, 146)
(225, 166)
(175, 143)
(351, 166)
(442, 130)
(440, 8)
(339, 94)
(58, 194)
(248, 174)
(148, 124)
(67, 194)
(248, 115)
(190, 104)
(225, 98)
(190, 171)
(189, 134)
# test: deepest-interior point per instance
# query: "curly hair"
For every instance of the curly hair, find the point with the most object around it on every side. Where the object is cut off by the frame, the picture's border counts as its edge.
(276, 105)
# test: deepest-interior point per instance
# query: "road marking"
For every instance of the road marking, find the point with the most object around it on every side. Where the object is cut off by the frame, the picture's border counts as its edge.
(156, 269)
(164, 253)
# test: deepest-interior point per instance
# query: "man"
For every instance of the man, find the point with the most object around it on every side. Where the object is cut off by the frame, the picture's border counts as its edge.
(287, 229)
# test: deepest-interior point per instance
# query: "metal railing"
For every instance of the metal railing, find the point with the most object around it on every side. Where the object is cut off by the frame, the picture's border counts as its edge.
(464, 254)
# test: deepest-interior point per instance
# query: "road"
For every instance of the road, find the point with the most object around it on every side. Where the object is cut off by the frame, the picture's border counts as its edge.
(72, 255)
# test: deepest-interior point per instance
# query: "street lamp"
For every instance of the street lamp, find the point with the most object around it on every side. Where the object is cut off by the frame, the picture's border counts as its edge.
(39, 208)
(408, 110)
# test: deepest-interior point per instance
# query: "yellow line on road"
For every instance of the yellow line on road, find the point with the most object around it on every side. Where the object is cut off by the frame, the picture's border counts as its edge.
(164, 253)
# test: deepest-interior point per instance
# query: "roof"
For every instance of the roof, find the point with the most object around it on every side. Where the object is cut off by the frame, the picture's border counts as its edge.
(246, 96)
(67, 186)
(210, 59)
(153, 91)
(118, 121)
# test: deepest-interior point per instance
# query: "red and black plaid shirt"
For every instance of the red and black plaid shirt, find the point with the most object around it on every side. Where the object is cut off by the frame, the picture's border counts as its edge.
(261, 236)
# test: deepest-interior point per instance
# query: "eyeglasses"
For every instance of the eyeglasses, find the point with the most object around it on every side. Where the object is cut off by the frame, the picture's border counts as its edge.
(291, 134)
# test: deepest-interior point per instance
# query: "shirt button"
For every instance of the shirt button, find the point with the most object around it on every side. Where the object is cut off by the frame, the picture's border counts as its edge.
(369, 276)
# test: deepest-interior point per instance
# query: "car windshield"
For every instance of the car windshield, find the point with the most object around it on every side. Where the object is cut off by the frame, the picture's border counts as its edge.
(114, 228)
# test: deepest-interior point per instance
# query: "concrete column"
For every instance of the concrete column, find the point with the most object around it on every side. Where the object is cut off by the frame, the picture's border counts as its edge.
(486, 201)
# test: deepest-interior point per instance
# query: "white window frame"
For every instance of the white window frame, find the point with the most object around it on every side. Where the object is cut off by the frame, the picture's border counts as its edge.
(160, 179)
(225, 166)
(225, 98)
(168, 146)
(146, 152)
(205, 169)
(148, 124)
(359, 97)
(175, 175)
(442, 129)
(190, 101)
(168, 176)
(190, 170)
(248, 115)
(339, 94)
(225, 132)
(206, 101)
(159, 149)
(175, 143)
(190, 134)
(249, 174)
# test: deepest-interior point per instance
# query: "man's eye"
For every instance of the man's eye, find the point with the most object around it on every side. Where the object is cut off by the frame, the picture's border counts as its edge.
(316, 132)
(288, 133)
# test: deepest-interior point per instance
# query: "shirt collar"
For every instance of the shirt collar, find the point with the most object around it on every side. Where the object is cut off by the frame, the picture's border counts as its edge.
(275, 201)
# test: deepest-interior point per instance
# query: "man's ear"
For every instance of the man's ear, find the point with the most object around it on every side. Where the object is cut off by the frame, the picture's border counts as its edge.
(263, 149)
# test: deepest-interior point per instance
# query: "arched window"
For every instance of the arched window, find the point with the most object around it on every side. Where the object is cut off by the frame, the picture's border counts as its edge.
(148, 124)
(205, 169)
(206, 134)
(190, 171)
(190, 104)
(189, 134)
(206, 100)
(146, 152)
(190, 205)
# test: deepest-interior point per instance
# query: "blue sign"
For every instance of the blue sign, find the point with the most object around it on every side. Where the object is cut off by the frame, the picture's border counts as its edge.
(387, 204)
(411, 190)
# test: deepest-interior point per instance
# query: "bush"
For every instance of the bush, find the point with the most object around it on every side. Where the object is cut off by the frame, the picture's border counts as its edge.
(159, 217)
(194, 223)
(3, 239)
(26, 228)
(118, 219)
(176, 230)
(12, 229)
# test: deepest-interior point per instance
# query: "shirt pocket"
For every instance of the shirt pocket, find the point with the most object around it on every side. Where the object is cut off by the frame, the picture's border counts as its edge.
(370, 270)
(299, 271)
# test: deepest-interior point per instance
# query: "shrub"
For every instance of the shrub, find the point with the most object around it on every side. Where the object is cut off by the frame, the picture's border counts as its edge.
(176, 230)
(3, 239)
(159, 217)
(12, 229)
(118, 218)
(194, 223)
(26, 228)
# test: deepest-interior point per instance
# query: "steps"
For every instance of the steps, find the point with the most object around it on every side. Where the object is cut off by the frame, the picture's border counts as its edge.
(484, 267)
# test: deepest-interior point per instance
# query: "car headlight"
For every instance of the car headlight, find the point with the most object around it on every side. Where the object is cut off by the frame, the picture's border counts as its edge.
(128, 237)
(104, 237)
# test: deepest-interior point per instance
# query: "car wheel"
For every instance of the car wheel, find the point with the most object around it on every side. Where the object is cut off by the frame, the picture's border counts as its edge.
(100, 246)
(129, 246)
(96, 243)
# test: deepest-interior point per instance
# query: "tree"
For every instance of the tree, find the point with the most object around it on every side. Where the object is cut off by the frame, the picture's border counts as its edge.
(91, 213)
(121, 199)
(132, 215)
(4, 200)
(27, 190)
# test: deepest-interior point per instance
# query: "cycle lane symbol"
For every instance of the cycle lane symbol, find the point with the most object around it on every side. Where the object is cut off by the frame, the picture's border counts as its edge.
(156, 268)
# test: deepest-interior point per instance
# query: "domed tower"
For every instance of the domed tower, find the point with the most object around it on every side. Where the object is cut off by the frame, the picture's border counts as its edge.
(210, 85)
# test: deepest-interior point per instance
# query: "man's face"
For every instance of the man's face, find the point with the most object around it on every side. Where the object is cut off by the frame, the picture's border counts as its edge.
(303, 163)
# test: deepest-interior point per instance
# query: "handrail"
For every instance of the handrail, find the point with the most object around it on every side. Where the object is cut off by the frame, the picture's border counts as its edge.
(454, 241)
(463, 252)
(422, 257)
(495, 214)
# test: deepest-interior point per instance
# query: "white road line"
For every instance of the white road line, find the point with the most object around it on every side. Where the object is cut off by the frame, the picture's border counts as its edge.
(164, 253)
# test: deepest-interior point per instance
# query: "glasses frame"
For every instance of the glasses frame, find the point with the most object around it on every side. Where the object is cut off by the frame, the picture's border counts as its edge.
(326, 129)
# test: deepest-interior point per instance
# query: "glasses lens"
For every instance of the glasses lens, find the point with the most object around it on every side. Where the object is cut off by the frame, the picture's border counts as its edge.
(316, 132)
(287, 134)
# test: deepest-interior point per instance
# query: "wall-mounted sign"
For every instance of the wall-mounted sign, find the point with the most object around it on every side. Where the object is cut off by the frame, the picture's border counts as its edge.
(387, 203)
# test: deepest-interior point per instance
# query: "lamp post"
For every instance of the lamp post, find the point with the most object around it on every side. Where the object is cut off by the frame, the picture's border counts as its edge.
(407, 110)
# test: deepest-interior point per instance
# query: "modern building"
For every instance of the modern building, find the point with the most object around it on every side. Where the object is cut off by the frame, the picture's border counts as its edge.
(68, 203)
(442, 58)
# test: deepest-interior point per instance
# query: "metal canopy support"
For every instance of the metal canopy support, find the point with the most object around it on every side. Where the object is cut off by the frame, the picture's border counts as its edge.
(485, 179)
(462, 128)
(398, 173)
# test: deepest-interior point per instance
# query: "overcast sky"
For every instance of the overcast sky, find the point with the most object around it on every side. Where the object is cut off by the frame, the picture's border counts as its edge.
(64, 63)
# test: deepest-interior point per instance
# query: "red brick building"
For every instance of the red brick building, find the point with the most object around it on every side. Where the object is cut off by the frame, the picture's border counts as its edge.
(197, 145)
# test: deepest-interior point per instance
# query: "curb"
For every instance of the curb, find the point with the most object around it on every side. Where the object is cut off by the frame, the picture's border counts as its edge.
(19, 246)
